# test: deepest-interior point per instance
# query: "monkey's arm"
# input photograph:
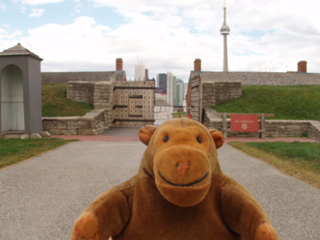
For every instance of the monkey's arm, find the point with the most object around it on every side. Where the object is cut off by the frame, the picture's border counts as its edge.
(105, 217)
(243, 214)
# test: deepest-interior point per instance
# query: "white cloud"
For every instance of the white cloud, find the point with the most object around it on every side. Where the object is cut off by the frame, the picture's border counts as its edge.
(291, 32)
(70, 46)
(8, 37)
(37, 2)
(2, 32)
(36, 12)
(169, 35)
(3, 7)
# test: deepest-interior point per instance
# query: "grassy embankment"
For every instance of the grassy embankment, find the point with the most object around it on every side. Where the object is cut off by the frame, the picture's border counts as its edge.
(286, 102)
(56, 104)
(300, 160)
(15, 150)
(178, 115)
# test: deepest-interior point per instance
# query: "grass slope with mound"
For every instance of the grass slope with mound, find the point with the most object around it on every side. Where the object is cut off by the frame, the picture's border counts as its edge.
(56, 104)
(286, 102)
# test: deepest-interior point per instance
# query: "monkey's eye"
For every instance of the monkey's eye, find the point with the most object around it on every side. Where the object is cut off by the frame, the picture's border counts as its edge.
(166, 138)
(199, 140)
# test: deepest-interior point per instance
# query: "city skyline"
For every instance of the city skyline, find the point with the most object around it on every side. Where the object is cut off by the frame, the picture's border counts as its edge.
(173, 89)
(139, 72)
(169, 35)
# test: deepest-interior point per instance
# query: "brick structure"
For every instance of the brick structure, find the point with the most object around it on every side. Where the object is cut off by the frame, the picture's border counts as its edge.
(302, 67)
(119, 64)
(197, 65)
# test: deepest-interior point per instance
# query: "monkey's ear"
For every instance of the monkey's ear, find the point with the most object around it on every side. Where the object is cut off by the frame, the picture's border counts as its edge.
(146, 132)
(217, 137)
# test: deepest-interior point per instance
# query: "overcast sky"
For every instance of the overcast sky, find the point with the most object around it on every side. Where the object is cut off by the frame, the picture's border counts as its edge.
(168, 35)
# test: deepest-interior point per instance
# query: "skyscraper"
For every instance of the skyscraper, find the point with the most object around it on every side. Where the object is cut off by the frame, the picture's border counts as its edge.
(162, 81)
(139, 72)
(179, 92)
(174, 83)
(170, 88)
(225, 31)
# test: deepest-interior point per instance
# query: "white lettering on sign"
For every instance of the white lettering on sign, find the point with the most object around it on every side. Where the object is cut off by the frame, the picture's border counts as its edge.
(244, 123)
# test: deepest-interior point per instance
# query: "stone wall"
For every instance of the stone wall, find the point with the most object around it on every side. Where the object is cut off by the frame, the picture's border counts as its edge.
(64, 77)
(103, 99)
(260, 78)
(128, 104)
(208, 94)
(100, 94)
(203, 94)
(226, 91)
(287, 128)
(314, 130)
(92, 123)
(80, 91)
(194, 100)
(274, 128)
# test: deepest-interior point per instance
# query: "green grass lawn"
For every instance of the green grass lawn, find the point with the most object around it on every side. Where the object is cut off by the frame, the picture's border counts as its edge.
(176, 114)
(301, 160)
(286, 102)
(15, 150)
(56, 104)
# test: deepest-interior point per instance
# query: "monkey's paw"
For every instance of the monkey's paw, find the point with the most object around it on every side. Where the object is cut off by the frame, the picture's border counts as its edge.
(86, 227)
(266, 232)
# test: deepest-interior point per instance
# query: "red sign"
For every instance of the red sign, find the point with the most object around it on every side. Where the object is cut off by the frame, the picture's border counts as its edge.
(244, 123)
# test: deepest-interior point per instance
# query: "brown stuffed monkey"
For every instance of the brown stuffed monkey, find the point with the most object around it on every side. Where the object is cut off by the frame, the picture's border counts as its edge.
(179, 193)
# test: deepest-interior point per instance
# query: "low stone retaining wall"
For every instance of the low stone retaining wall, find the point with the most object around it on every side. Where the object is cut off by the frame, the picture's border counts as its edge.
(128, 104)
(274, 128)
(314, 130)
(226, 91)
(81, 91)
(92, 123)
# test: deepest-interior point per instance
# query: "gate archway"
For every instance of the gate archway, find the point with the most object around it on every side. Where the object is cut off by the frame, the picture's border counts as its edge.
(12, 100)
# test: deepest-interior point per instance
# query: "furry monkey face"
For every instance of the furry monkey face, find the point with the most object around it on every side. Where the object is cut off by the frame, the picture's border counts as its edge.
(182, 163)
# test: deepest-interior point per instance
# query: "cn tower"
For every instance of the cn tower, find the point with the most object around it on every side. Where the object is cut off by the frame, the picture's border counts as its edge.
(225, 31)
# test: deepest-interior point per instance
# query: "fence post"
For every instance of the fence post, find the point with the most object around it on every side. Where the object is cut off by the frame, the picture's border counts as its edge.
(225, 125)
(263, 127)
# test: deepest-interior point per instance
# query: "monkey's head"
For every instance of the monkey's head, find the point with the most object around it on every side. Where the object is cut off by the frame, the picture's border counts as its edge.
(182, 158)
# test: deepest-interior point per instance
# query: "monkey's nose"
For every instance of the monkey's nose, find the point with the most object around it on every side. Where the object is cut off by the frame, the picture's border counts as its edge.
(183, 166)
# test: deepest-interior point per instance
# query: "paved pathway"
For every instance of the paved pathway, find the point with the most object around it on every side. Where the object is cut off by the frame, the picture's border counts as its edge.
(40, 198)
